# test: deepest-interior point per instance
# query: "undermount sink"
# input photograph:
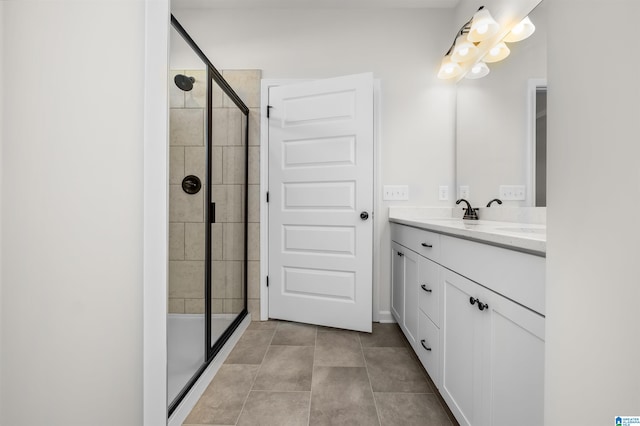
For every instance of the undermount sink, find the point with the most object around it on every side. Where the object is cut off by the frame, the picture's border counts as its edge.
(489, 226)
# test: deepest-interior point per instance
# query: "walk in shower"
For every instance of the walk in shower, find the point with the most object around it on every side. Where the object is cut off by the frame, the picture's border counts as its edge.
(207, 214)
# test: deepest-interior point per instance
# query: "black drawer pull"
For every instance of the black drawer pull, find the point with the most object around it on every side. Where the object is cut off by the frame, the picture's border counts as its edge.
(422, 342)
(427, 245)
(400, 254)
(481, 306)
(424, 287)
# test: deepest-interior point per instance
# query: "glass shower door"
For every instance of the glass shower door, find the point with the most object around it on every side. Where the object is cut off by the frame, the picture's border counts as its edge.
(207, 214)
(188, 113)
(228, 195)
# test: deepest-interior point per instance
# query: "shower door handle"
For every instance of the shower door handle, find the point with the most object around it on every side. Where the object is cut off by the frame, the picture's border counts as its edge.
(212, 213)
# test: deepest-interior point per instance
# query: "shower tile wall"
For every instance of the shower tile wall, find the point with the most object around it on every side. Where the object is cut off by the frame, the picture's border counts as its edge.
(186, 212)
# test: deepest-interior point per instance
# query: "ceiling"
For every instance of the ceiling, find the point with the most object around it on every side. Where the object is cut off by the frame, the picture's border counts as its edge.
(310, 4)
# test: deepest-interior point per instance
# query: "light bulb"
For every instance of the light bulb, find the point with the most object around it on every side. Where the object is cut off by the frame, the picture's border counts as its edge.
(497, 53)
(518, 29)
(479, 70)
(522, 30)
(448, 68)
(483, 26)
(463, 49)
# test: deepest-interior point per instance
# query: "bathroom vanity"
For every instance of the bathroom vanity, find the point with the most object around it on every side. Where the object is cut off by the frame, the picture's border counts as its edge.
(469, 296)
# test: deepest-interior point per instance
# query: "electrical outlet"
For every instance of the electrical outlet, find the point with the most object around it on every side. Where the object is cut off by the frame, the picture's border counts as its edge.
(464, 192)
(443, 193)
(395, 193)
(512, 192)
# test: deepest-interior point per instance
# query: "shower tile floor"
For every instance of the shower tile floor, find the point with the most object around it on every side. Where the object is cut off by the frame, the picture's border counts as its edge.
(282, 373)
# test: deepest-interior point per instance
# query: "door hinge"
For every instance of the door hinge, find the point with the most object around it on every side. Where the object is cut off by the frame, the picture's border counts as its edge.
(267, 196)
(268, 110)
(267, 280)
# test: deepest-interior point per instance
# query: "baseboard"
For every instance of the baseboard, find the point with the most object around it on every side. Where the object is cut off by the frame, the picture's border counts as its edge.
(385, 317)
(190, 400)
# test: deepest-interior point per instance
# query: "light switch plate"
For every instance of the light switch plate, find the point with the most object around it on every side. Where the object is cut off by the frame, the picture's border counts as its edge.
(512, 192)
(463, 192)
(443, 193)
(395, 193)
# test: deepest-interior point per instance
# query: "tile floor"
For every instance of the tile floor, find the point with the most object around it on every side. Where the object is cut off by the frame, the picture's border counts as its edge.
(282, 373)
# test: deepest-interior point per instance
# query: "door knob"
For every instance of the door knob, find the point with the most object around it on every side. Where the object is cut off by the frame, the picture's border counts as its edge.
(364, 215)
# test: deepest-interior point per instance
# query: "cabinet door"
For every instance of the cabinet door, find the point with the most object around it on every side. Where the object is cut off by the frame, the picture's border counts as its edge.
(516, 373)
(397, 282)
(463, 348)
(411, 287)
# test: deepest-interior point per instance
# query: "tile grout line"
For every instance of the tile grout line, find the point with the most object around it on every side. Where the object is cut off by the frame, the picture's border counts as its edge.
(434, 389)
(313, 365)
(256, 377)
(366, 369)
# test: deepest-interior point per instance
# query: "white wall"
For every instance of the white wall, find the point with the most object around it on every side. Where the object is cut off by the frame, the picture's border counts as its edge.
(156, 214)
(402, 47)
(72, 215)
(1, 145)
(593, 289)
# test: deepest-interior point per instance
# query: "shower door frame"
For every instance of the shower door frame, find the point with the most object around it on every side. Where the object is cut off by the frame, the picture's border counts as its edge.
(212, 348)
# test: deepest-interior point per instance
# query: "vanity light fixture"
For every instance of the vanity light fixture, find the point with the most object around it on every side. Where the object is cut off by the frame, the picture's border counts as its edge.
(497, 53)
(478, 70)
(449, 68)
(464, 49)
(521, 31)
(475, 45)
(483, 26)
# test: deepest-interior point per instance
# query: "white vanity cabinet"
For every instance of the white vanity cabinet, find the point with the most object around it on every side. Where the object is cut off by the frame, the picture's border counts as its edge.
(493, 358)
(404, 298)
(416, 292)
(481, 337)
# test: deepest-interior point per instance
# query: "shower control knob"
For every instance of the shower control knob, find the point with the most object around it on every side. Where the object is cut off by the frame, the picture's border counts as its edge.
(364, 215)
(191, 184)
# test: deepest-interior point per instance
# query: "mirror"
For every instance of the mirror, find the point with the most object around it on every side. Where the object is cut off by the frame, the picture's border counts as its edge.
(498, 120)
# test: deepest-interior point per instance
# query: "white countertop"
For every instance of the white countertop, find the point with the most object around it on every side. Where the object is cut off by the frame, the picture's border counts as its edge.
(528, 237)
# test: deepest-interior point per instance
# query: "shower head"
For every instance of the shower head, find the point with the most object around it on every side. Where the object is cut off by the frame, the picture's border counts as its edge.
(184, 82)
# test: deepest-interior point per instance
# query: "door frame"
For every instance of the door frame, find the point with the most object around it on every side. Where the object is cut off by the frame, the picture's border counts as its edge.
(265, 84)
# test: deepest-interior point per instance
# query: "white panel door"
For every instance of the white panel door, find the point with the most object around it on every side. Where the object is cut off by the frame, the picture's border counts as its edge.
(320, 183)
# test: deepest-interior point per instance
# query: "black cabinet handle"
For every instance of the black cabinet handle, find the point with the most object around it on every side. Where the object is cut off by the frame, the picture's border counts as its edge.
(424, 287)
(422, 342)
(427, 245)
(481, 306)
(400, 254)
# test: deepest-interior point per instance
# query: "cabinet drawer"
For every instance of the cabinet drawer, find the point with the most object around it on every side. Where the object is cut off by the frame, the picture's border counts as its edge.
(428, 347)
(429, 289)
(423, 242)
(515, 275)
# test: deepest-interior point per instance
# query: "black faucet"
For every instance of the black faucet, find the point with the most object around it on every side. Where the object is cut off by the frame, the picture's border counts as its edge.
(469, 212)
(496, 200)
